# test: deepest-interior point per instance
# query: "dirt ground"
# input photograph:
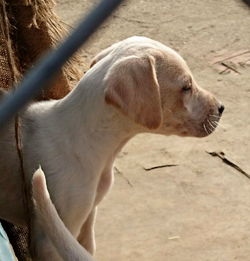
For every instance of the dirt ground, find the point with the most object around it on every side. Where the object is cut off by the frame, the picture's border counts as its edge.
(198, 210)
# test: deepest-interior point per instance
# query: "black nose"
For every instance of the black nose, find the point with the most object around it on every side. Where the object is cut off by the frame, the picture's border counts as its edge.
(221, 109)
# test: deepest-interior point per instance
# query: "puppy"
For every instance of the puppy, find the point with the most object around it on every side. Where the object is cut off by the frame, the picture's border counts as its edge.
(137, 85)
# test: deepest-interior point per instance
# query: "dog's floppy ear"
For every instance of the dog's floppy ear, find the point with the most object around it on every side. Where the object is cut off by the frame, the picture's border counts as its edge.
(132, 87)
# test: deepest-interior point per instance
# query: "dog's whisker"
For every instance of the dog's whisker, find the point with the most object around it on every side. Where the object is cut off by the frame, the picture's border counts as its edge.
(215, 123)
(220, 124)
(211, 124)
(210, 128)
(205, 128)
(213, 115)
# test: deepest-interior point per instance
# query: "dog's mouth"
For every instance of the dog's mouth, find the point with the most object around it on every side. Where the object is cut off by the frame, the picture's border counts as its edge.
(194, 128)
(200, 130)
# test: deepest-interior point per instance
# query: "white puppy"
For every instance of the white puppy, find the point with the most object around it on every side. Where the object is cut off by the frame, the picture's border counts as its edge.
(137, 85)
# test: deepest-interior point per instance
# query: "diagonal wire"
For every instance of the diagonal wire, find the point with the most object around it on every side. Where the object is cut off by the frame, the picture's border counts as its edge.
(40, 76)
(247, 2)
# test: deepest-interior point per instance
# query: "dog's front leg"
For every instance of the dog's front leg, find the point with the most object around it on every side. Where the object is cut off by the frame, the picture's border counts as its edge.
(87, 234)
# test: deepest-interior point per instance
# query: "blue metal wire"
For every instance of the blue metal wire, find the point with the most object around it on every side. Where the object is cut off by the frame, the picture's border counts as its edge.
(41, 75)
(247, 2)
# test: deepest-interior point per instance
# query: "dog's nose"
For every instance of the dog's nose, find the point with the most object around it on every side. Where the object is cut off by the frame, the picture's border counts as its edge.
(221, 109)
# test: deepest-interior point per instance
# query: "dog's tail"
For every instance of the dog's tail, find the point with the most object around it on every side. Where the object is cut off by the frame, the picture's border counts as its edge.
(67, 246)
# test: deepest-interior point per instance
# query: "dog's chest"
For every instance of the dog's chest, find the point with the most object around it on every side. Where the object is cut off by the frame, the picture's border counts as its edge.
(104, 184)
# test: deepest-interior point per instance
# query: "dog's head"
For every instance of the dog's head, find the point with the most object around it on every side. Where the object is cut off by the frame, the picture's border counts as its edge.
(153, 86)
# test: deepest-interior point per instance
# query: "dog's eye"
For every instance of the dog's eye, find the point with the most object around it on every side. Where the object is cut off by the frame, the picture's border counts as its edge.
(187, 87)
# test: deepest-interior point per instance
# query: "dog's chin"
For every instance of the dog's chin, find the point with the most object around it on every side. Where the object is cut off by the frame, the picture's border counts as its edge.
(205, 131)
(200, 132)
(201, 129)
(193, 135)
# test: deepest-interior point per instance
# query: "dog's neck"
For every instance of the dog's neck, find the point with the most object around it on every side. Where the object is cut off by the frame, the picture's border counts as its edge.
(87, 123)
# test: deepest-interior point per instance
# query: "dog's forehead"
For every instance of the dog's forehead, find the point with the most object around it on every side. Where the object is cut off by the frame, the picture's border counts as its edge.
(141, 46)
